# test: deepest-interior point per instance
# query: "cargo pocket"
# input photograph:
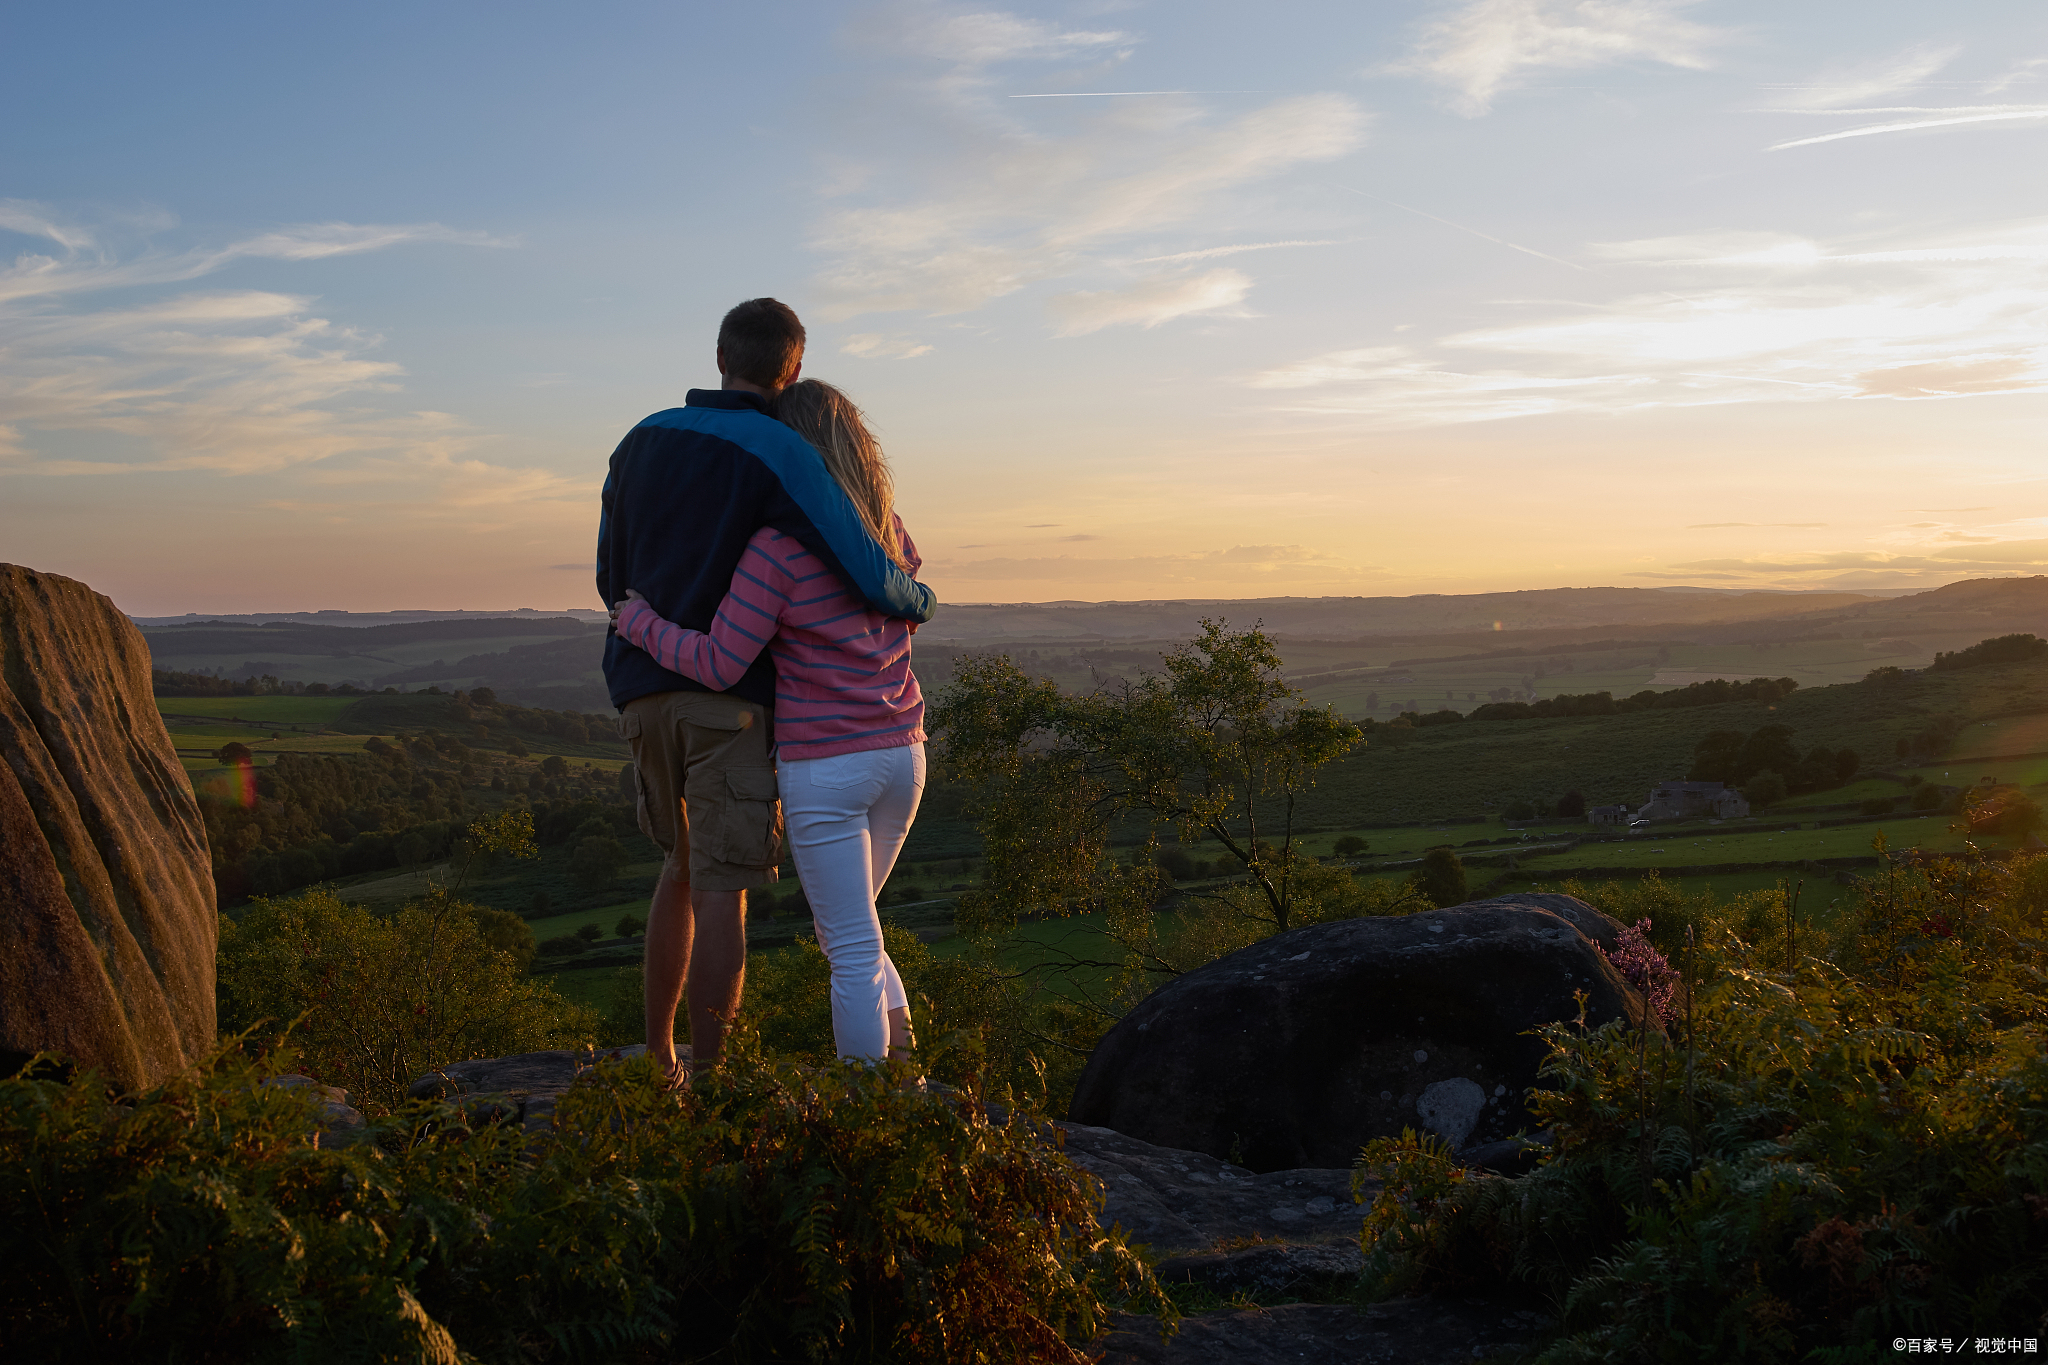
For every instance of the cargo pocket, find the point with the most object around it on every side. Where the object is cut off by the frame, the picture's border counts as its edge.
(750, 834)
(643, 804)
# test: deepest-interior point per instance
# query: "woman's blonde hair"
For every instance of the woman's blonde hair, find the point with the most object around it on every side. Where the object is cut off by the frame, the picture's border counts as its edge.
(829, 420)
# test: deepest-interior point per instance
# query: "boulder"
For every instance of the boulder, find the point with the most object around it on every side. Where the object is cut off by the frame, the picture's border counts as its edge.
(1295, 1051)
(1189, 1201)
(107, 917)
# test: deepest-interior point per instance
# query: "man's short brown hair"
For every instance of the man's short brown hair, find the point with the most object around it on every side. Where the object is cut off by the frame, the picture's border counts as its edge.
(763, 342)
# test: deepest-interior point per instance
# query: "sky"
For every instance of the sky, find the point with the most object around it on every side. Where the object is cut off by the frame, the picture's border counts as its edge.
(346, 307)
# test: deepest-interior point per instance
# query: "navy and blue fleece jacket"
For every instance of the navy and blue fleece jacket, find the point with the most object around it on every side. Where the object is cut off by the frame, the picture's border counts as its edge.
(687, 489)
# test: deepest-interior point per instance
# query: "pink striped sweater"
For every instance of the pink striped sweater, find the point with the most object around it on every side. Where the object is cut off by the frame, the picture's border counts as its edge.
(843, 679)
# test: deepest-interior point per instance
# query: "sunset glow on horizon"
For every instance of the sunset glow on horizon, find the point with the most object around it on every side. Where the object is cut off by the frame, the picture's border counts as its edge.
(302, 313)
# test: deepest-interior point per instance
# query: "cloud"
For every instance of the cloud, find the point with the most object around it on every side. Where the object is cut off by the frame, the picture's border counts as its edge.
(1151, 301)
(1206, 567)
(1486, 47)
(85, 266)
(2031, 69)
(1991, 556)
(1862, 82)
(1210, 253)
(1081, 537)
(1957, 377)
(1785, 525)
(984, 37)
(240, 382)
(987, 196)
(875, 346)
(1808, 321)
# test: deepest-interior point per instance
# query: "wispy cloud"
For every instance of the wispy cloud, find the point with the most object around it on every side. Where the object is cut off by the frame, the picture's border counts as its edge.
(986, 37)
(1216, 569)
(224, 381)
(1487, 47)
(84, 266)
(1944, 319)
(1148, 302)
(1010, 198)
(1861, 82)
(1210, 253)
(875, 346)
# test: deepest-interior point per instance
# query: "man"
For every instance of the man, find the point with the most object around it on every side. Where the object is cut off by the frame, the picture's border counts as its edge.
(686, 489)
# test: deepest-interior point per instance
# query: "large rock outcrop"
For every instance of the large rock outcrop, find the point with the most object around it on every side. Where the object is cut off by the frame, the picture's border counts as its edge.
(1294, 1051)
(107, 918)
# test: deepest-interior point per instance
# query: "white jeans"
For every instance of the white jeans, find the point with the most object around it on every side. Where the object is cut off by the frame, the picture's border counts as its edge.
(847, 816)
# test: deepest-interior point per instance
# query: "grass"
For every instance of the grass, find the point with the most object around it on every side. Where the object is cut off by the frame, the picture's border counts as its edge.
(1457, 772)
(604, 917)
(273, 710)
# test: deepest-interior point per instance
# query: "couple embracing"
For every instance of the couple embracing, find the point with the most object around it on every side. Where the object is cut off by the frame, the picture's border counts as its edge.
(763, 595)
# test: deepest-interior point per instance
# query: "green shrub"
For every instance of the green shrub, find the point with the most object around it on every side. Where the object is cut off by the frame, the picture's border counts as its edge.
(590, 933)
(385, 999)
(1809, 1160)
(772, 1213)
(562, 945)
(505, 932)
(1441, 878)
(630, 926)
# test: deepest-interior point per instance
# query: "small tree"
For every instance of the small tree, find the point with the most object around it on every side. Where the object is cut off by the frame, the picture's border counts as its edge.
(505, 932)
(1441, 878)
(383, 1000)
(554, 765)
(630, 925)
(1350, 846)
(590, 933)
(233, 754)
(1572, 803)
(1764, 790)
(1218, 746)
(596, 861)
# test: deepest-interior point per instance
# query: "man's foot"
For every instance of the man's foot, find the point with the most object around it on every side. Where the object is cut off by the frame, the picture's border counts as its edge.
(677, 1067)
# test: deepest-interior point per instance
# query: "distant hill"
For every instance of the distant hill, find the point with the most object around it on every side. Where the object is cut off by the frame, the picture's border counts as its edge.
(1539, 642)
(1350, 617)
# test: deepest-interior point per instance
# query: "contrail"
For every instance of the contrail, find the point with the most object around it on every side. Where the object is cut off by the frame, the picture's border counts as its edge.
(1205, 254)
(1912, 109)
(1906, 127)
(1497, 241)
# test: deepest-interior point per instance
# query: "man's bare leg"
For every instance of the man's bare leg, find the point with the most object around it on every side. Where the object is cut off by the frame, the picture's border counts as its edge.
(670, 926)
(717, 969)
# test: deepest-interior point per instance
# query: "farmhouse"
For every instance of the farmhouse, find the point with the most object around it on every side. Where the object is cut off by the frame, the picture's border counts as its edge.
(1692, 800)
(1608, 815)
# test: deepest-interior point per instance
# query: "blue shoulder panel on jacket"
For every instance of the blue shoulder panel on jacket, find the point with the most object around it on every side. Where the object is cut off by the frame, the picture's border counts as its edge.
(811, 486)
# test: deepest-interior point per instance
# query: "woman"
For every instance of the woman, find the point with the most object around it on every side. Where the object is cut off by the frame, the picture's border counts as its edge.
(849, 719)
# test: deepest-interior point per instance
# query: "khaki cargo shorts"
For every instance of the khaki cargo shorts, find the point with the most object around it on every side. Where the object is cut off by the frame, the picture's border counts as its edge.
(707, 787)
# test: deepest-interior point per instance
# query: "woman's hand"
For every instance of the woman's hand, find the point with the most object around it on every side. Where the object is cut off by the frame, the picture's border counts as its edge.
(631, 596)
